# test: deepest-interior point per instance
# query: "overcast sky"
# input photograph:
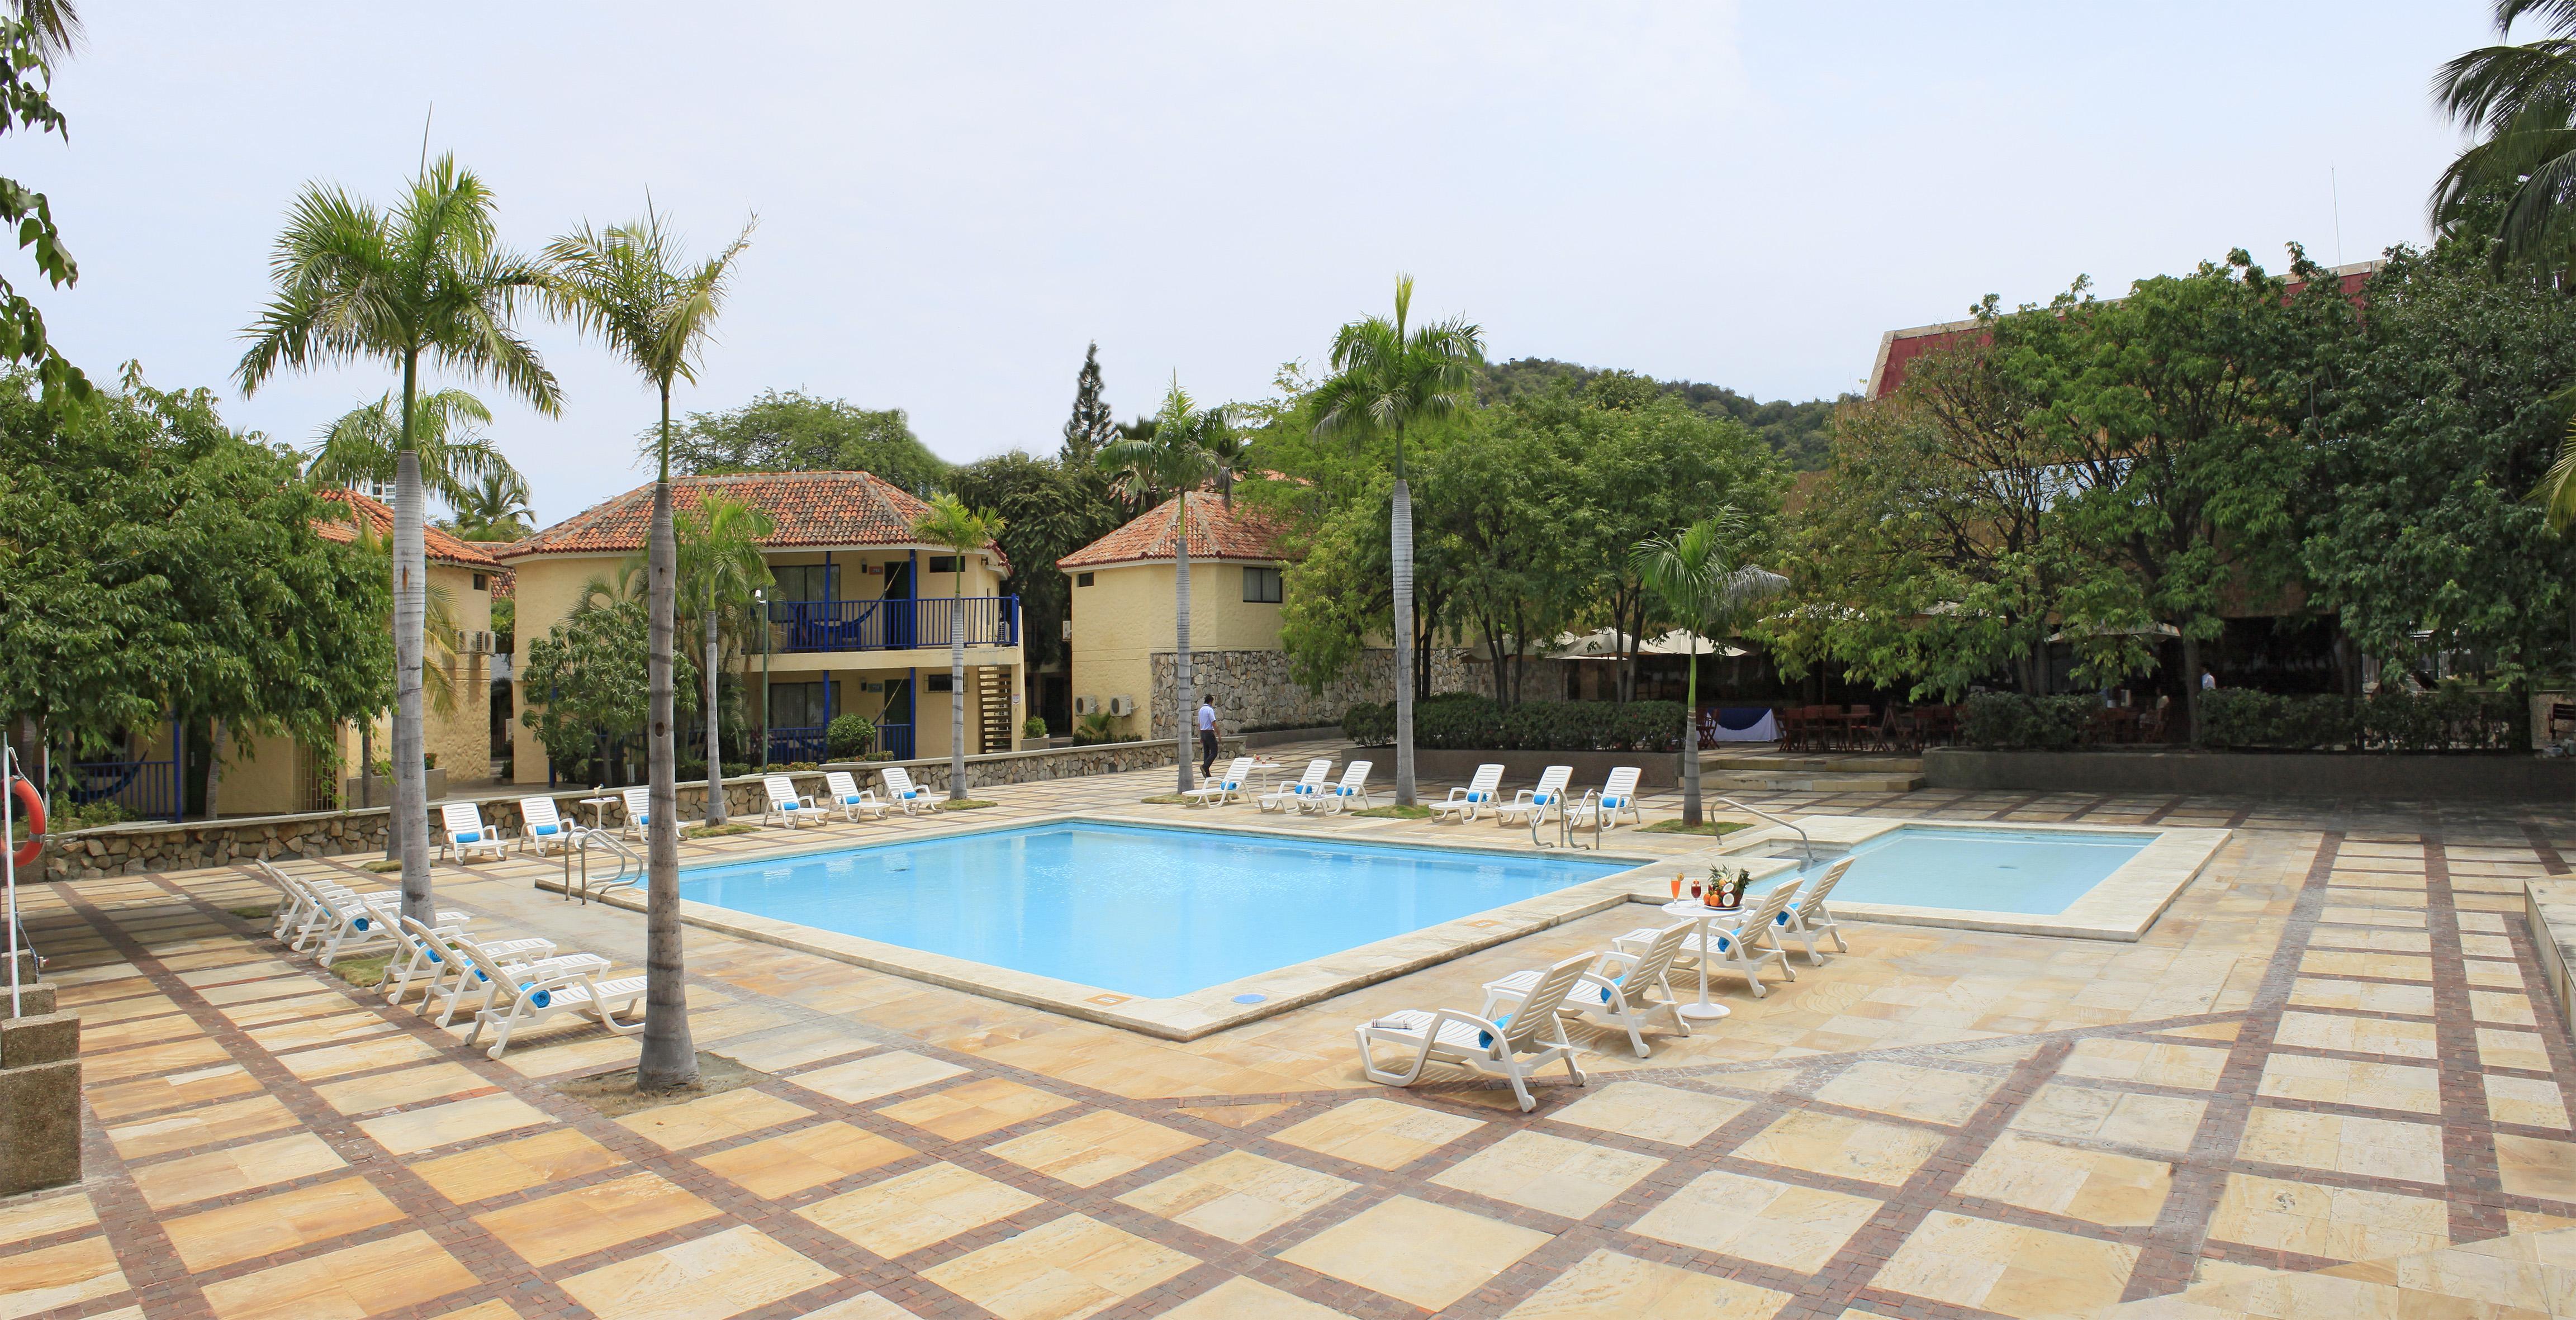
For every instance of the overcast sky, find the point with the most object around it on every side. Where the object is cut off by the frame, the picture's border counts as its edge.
(954, 199)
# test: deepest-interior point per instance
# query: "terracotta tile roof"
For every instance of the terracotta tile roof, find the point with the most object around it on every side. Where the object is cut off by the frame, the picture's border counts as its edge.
(808, 508)
(1216, 532)
(440, 544)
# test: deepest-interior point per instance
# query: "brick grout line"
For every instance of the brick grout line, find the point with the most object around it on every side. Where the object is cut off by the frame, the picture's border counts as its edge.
(2468, 1139)
(2180, 1233)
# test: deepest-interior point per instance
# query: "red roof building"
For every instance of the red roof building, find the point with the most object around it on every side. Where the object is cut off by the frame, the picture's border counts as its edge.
(1217, 531)
(441, 545)
(808, 510)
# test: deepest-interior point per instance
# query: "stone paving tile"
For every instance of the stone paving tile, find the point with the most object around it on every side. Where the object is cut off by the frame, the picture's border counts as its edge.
(2334, 1048)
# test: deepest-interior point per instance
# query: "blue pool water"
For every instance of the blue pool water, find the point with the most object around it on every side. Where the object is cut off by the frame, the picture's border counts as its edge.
(2034, 872)
(1146, 912)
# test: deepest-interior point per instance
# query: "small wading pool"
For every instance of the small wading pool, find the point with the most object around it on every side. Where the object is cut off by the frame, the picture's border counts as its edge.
(1147, 912)
(2033, 872)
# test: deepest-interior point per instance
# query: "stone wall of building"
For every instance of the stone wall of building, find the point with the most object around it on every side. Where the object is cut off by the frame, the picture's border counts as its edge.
(1252, 689)
(141, 846)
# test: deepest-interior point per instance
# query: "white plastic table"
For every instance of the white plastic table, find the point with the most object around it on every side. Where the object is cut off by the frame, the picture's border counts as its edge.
(1703, 1011)
(599, 810)
(1262, 773)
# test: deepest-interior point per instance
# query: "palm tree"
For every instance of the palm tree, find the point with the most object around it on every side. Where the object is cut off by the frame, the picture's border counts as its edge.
(1185, 450)
(427, 278)
(1385, 379)
(2523, 100)
(965, 531)
(1694, 574)
(365, 444)
(720, 566)
(494, 508)
(629, 285)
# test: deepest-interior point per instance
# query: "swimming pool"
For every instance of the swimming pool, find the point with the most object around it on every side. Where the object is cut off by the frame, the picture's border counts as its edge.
(1140, 911)
(2034, 872)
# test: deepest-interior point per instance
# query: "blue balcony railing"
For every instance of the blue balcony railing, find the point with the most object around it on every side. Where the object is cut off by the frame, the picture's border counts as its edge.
(805, 744)
(890, 625)
(142, 788)
(895, 740)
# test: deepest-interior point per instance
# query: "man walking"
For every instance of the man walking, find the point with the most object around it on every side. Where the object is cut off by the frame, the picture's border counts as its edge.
(1207, 735)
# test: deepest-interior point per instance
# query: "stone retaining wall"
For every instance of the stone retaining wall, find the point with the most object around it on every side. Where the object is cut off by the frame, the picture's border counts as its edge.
(140, 846)
(1254, 687)
(40, 1092)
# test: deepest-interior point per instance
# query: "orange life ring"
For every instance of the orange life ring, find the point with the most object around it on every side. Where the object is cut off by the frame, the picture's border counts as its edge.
(31, 805)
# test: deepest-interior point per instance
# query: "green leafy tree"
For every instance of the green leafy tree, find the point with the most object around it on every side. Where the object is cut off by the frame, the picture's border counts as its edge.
(366, 442)
(587, 683)
(1494, 522)
(1799, 433)
(1389, 377)
(720, 568)
(1696, 575)
(794, 432)
(964, 531)
(1048, 511)
(630, 287)
(34, 34)
(1182, 455)
(425, 279)
(1091, 425)
(155, 562)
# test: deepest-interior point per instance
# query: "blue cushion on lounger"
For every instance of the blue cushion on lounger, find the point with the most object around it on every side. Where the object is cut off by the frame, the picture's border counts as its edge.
(1485, 1039)
(542, 830)
(470, 836)
(541, 998)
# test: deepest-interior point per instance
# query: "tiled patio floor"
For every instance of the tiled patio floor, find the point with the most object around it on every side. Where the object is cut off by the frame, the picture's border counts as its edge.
(2327, 1083)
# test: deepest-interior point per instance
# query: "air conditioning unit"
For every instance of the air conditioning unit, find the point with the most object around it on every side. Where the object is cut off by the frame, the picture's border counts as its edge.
(1122, 706)
(1086, 705)
(478, 643)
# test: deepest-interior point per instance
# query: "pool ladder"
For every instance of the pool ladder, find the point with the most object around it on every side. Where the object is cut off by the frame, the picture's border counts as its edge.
(629, 866)
(1803, 840)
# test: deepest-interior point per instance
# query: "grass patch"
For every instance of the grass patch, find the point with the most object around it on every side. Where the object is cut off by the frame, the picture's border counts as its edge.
(731, 827)
(1167, 800)
(965, 804)
(1396, 811)
(365, 973)
(254, 913)
(614, 1095)
(1675, 826)
(382, 865)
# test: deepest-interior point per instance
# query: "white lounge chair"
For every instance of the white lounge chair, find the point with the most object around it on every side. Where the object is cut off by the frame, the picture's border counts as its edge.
(286, 920)
(1482, 793)
(904, 793)
(483, 974)
(1339, 797)
(1808, 917)
(1614, 991)
(466, 832)
(845, 796)
(362, 921)
(1619, 797)
(432, 959)
(1513, 1047)
(541, 827)
(544, 990)
(1532, 803)
(639, 811)
(1226, 786)
(1739, 939)
(1289, 795)
(786, 805)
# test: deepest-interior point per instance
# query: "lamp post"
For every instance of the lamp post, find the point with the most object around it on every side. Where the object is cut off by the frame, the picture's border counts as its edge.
(760, 599)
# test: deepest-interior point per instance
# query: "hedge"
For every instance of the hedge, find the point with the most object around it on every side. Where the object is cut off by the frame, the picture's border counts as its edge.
(1466, 720)
(2444, 720)
(2006, 719)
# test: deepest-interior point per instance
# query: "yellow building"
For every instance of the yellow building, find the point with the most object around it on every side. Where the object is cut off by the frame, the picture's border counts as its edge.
(859, 612)
(1124, 607)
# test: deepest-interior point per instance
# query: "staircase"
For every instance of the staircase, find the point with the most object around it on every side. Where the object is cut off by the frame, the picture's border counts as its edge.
(1819, 772)
(992, 709)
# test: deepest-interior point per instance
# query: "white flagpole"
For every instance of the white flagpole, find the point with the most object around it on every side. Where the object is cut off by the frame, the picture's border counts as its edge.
(9, 861)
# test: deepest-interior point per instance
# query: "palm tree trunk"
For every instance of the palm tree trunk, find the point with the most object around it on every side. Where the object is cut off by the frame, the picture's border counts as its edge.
(1182, 705)
(410, 829)
(1690, 738)
(1403, 548)
(715, 757)
(670, 1058)
(957, 682)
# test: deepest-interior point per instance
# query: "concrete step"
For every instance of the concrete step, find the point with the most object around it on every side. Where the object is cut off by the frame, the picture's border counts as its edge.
(1815, 763)
(1811, 781)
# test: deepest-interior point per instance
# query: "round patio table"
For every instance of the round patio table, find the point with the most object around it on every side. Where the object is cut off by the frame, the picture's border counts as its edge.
(599, 810)
(1703, 1011)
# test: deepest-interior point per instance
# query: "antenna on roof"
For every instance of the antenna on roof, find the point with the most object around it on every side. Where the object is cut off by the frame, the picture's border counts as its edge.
(424, 135)
(2334, 193)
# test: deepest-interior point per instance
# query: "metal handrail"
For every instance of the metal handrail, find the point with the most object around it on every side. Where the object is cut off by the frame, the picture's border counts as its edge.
(629, 865)
(1810, 844)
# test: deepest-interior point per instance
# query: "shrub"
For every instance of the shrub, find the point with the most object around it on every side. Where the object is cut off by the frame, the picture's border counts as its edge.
(2448, 719)
(1467, 720)
(848, 737)
(1033, 727)
(2011, 720)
